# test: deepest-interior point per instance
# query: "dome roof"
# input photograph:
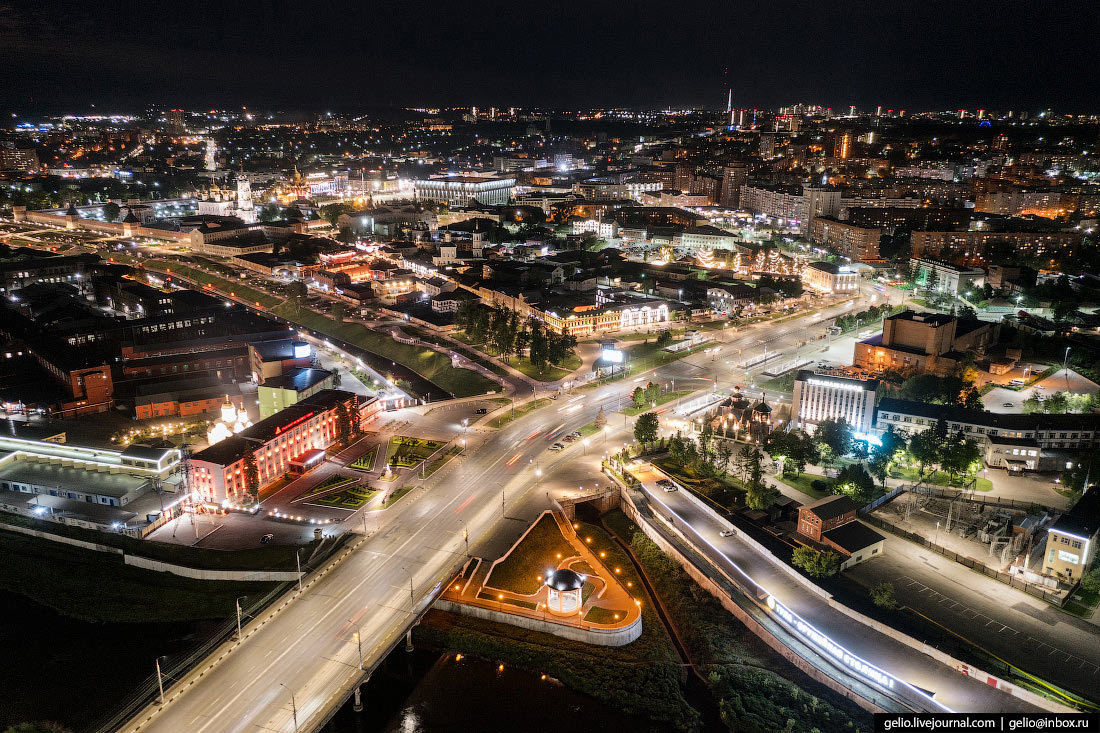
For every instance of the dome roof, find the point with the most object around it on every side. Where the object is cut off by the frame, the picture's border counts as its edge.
(564, 579)
(762, 407)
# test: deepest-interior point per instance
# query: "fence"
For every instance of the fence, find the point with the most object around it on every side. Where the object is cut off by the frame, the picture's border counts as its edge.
(1011, 580)
(175, 667)
(970, 496)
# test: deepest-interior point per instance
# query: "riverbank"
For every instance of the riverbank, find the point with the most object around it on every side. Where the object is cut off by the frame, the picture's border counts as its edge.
(97, 587)
(755, 689)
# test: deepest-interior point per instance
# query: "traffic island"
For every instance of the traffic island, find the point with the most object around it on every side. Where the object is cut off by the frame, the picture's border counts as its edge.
(552, 581)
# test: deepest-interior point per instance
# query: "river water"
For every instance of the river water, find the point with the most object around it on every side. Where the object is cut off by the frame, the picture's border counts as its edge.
(436, 693)
(76, 673)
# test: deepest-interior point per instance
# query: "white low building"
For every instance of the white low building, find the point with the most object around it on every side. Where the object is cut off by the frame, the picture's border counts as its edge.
(819, 397)
(825, 277)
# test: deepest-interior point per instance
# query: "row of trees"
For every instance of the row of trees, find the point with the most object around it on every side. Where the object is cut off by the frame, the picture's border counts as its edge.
(951, 390)
(708, 456)
(1061, 403)
(504, 334)
(874, 314)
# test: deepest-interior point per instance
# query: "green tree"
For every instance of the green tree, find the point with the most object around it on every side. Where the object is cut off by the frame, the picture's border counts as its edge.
(111, 211)
(882, 595)
(959, 455)
(38, 726)
(646, 428)
(251, 476)
(925, 449)
(293, 212)
(338, 309)
(722, 455)
(332, 212)
(652, 392)
(601, 419)
(855, 482)
(816, 563)
(638, 397)
(834, 437)
(664, 338)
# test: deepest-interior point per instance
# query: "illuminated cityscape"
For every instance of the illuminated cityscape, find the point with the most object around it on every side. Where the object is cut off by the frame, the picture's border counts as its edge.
(476, 370)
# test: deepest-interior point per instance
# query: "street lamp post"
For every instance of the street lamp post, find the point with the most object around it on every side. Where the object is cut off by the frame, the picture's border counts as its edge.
(585, 446)
(298, 560)
(293, 706)
(238, 604)
(466, 539)
(160, 681)
(358, 642)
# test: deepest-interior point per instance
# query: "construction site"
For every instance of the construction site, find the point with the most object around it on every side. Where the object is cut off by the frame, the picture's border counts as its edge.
(1007, 541)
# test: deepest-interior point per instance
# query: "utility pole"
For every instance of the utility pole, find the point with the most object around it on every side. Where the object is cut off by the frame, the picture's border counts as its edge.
(238, 604)
(466, 539)
(160, 681)
(298, 560)
(293, 706)
(359, 642)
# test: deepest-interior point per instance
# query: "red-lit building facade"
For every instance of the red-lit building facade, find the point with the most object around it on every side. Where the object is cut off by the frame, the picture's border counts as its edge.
(277, 444)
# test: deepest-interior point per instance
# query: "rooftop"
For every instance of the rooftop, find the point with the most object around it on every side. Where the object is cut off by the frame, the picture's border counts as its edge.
(831, 507)
(853, 537)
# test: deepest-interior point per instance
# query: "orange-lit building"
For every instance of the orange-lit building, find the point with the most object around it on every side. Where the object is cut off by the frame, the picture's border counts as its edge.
(292, 439)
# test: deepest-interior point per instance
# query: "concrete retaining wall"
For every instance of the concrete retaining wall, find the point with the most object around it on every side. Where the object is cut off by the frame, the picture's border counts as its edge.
(249, 576)
(751, 623)
(259, 576)
(992, 680)
(58, 538)
(591, 635)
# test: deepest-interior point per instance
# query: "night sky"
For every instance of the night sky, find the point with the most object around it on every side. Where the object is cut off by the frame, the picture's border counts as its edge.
(315, 55)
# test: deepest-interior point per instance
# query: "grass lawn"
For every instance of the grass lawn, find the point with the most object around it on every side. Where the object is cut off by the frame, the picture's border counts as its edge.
(662, 400)
(507, 601)
(438, 463)
(587, 430)
(432, 365)
(506, 417)
(782, 383)
(938, 478)
(336, 479)
(365, 462)
(235, 288)
(393, 497)
(550, 374)
(71, 581)
(355, 497)
(727, 493)
(540, 549)
(651, 356)
(406, 452)
(803, 482)
(597, 615)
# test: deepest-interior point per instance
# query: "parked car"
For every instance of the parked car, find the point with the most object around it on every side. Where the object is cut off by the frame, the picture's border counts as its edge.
(266, 538)
(727, 533)
(569, 438)
(1039, 386)
(557, 447)
(1007, 404)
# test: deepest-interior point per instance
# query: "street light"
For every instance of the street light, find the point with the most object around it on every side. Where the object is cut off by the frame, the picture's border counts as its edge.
(160, 680)
(293, 706)
(238, 604)
(359, 642)
(585, 446)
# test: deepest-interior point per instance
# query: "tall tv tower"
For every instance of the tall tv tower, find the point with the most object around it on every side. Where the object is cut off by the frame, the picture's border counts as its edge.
(729, 107)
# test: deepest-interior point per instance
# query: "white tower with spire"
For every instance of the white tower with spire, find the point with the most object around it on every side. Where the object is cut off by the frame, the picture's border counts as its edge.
(245, 208)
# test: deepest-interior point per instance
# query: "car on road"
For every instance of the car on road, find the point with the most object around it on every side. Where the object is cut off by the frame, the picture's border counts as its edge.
(557, 447)
(1039, 386)
(667, 485)
(266, 538)
(1008, 404)
(576, 433)
(481, 411)
(569, 438)
(727, 533)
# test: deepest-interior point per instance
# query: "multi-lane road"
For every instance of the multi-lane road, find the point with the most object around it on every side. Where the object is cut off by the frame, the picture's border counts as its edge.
(307, 650)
